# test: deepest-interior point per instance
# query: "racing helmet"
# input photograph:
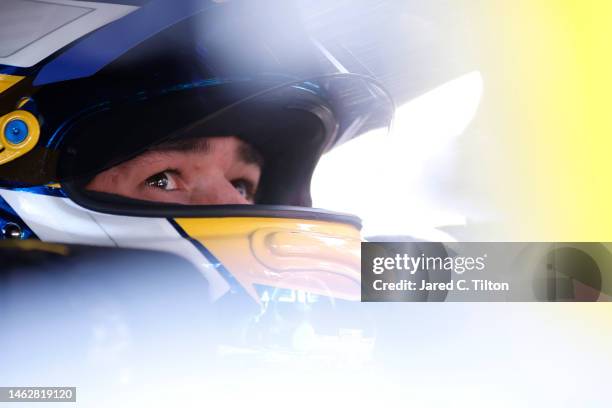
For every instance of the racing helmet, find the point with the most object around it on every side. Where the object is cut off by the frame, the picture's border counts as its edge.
(111, 81)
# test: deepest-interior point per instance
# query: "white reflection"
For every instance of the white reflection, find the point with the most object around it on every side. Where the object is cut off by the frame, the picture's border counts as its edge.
(405, 183)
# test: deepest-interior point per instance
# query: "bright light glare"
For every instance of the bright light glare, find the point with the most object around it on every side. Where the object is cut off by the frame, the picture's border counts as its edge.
(390, 180)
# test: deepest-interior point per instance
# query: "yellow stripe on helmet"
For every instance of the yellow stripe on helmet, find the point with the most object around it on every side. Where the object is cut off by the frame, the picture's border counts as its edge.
(318, 257)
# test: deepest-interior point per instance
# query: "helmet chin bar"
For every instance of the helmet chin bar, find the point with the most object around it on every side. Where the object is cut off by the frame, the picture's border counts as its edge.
(118, 205)
(244, 246)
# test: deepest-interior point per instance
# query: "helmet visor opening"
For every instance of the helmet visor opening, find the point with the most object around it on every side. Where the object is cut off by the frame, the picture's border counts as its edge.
(203, 146)
(210, 144)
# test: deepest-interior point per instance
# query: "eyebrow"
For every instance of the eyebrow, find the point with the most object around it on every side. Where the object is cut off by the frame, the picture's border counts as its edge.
(250, 155)
(246, 152)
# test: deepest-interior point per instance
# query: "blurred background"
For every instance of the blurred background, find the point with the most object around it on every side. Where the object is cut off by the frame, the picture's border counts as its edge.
(502, 129)
(503, 132)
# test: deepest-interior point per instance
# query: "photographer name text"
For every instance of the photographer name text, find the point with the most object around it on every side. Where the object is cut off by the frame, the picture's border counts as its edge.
(459, 284)
(406, 266)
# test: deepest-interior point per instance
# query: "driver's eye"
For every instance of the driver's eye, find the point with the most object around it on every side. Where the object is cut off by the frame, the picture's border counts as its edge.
(245, 188)
(165, 180)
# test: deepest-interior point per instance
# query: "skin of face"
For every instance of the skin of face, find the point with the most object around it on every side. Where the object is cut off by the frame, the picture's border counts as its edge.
(202, 171)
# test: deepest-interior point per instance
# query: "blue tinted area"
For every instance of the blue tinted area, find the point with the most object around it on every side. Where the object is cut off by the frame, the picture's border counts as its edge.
(11, 70)
(16, 131)
(42, 190)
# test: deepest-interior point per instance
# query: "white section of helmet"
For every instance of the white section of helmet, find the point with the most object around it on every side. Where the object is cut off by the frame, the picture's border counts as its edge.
(60, 220)
(32, 30)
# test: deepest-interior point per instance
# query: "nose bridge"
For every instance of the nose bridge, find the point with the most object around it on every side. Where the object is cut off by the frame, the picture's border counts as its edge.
(215, 188)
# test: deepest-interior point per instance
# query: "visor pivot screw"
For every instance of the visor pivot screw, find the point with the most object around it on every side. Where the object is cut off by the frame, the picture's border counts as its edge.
(11, 230)
(16, 131)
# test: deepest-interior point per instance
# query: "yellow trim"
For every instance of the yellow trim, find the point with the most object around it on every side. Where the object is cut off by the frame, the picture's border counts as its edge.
(34, 245)
(7, 81)
(318, 257)
(217, 227)
(9, 151)
(22, 102)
